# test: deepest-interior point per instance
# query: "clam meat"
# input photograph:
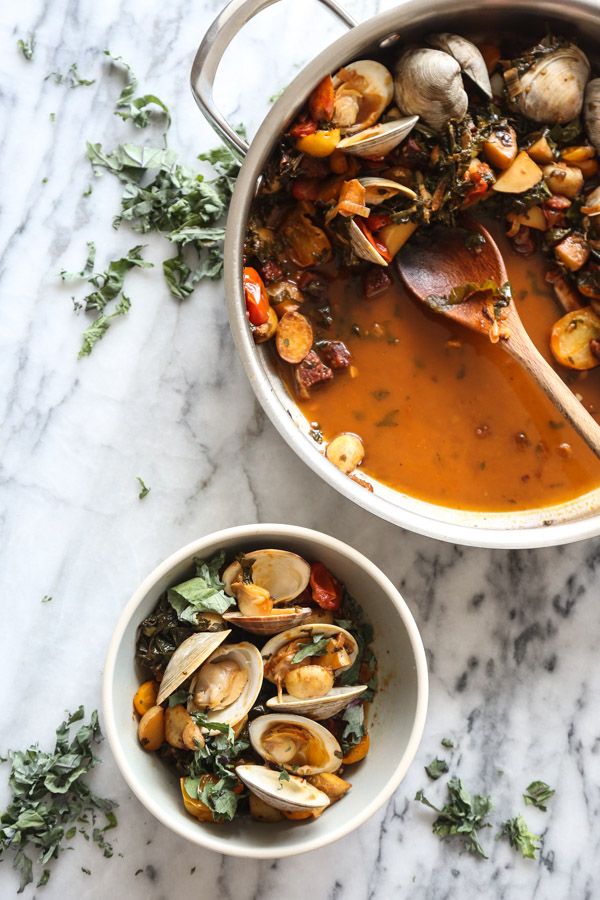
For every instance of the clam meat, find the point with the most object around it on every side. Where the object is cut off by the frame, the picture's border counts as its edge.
(282, 574)
(363, 90)
(295, 743)
(226, 686)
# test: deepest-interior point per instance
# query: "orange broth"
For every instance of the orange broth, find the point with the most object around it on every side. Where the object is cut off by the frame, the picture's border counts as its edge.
(446, 416)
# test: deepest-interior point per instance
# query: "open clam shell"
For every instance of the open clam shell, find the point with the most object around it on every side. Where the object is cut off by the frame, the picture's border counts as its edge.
(310, 631)
(248, 658)
(290, 796)
(363, 247)
(379, 139)
(271, 624)
(552, 90)
(378, 190)
(295, 743)
(591, 112)
(467, 55)
(188, 657)
(363, 90)
(320, 708)
(283, 574)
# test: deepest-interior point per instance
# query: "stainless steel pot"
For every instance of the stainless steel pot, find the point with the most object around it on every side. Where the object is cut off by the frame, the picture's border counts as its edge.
(579, 18)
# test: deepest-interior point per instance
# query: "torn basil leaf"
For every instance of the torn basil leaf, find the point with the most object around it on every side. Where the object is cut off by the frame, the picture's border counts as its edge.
(136, 109)
(436, 768)
(462, 816)
(316, 646)
(203, 593)
(537, 794)
(520, 837)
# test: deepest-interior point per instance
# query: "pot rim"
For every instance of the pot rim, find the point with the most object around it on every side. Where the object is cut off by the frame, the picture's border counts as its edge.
(279, 532)
(542, 527)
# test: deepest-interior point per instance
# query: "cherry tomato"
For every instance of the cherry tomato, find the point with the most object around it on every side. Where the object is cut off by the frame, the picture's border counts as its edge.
(303, 127)
(378, 220)
(379, 245)
(305, 188)
(326, 590)
(322, 100)
(257, 299)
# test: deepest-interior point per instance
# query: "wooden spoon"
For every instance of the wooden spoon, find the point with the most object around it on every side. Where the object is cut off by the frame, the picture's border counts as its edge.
(433, 269)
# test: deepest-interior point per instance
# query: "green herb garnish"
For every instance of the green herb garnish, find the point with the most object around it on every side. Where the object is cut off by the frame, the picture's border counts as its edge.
(135, 109)
(354, 727)
(71, 78)
(436, 768)
(96, 331)
(520, 837)
(203, 593)
(51, 799)
(284, 776)
(463, 815)
(537, 794)
(144, 491)
(27, 47)
(316, 646)
(448, 743)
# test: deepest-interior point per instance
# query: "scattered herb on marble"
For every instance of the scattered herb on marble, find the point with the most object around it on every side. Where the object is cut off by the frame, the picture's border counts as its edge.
(46, 598)
(436, 768)
(463, 815)
(520, 837)
(537, 794)
(51, 799)
(161, 195)
(27, 46)
(96, 331)
(144, 491)
(71, 78)
(136, 109)
(448, 743)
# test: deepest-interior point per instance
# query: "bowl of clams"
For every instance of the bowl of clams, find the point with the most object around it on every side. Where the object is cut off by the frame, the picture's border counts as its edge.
(265, 691)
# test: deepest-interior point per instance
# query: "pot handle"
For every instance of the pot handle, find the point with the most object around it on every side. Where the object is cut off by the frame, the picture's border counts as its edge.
(207, 59)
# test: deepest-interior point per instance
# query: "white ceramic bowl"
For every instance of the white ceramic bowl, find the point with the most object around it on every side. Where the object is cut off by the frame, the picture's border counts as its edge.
(398, 712)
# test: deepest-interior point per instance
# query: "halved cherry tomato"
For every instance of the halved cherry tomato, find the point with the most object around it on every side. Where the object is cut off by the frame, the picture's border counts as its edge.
(322, 101)
(257, 299)
(378, 220)
(379, 245)
(303, 127)
(326, 590)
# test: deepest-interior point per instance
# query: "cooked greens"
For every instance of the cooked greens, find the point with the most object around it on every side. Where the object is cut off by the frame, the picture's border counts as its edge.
(316, 646)
(51, 799)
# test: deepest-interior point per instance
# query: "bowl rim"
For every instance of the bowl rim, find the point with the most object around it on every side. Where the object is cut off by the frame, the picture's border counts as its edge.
(279, 532)
(575, 520)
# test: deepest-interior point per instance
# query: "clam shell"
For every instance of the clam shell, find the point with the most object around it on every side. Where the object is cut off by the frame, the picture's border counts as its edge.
(363, 247)
(290, 796)
(319, 708)
(379, 89)
(591, 111)
(282, 573)
(467, 55)
(552, 90)
(245, 654)
(380, 139)
(271, 624)
(429, 85)
(190, 654)
(334, 752)
(377, 190)
(292, 634)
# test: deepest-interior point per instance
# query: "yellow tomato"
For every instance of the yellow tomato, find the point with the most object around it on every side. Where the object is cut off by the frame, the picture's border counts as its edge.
(321, 143)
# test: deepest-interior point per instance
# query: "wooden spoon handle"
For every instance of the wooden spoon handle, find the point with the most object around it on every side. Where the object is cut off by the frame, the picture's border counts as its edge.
(521, 347)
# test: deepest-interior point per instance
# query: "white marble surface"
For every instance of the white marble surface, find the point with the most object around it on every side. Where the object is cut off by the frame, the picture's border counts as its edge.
(512, 637)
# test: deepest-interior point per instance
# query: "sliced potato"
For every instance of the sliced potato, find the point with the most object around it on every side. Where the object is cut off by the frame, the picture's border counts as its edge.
(262, 333)
(346, 451)
(563, 179)
(332, 785)
(533, 218)
(521, 175)
(151, 728)
(308, 244)
(358, 752)
(294, 337)
(319, 617)
(571, 337)
(541, 151)
(573, 252)
(575, 155)
(192, 737)
(395, 236)
(500, 149)
(262, 812)
(177, 718)
(589, 167)
(300, 814)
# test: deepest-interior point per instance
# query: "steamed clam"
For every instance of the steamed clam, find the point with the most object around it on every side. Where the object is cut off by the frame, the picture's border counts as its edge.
(190, 654)
(591, 111)
(551, 90)
(363, 89)
(261, 579)
(295, 743)
(428, 84)
(379, 139)
(306, 661)
(364, 247)
(467, 55)
(226, 685)
(291, 795)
